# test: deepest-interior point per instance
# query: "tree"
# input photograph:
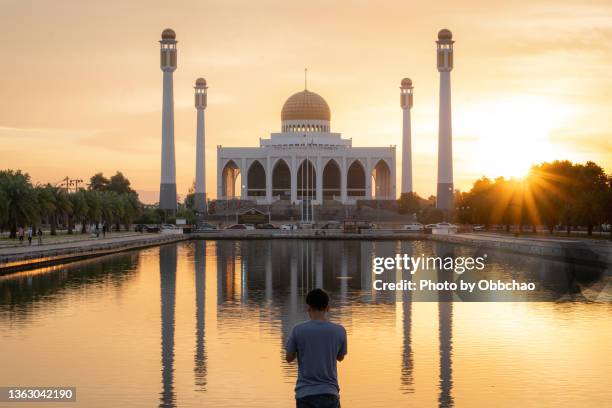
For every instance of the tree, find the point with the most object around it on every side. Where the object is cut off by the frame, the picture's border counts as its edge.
(19, 206)
(591, 189)
(98, 182)
(78, 202)
(409, 203)
(4, 210)
(63, 207)
(551, 185)
(94, 208)
(119, 184)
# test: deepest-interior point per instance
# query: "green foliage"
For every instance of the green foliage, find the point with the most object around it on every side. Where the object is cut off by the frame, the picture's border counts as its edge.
(98, 182)
(20, 207)
(106, 201)
(410, 203)
(554, 193)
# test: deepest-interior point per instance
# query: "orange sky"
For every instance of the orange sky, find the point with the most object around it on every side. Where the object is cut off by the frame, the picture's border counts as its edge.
(81, 84)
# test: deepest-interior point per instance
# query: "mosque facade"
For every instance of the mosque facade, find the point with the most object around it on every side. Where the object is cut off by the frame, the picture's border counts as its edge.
(306, 161)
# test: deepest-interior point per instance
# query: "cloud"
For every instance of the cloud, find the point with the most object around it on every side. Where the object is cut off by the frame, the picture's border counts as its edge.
(47, 133)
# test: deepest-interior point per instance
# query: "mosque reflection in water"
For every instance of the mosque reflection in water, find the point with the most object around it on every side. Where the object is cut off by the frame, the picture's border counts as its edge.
(276, 275)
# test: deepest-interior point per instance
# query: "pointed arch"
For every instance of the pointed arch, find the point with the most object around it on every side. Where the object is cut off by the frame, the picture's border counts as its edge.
(281, 180)
(306, 180)
(331, 180)
(381, 181)
(256, 180)
(230, 174)
(356, 180)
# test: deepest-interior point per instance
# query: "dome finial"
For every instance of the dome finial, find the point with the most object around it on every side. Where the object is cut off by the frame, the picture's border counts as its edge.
(406, 83)
(305, 79)
(168, 34)
(445, 35)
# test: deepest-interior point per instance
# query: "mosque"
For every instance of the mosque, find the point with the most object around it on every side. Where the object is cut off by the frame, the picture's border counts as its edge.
(306, 161)
(305, 164)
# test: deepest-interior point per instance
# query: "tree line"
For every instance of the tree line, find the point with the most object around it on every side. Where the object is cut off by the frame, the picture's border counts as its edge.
(560, 193)
(105, 200)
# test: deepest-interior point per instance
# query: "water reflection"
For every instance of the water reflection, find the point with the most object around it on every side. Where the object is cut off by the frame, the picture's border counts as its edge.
(22, 292)
(167, 277)
(445, 330)
(407, 379)
(249, 295)
(200, 288)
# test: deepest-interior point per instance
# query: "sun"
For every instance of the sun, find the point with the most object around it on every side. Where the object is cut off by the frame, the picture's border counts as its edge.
(512, 134)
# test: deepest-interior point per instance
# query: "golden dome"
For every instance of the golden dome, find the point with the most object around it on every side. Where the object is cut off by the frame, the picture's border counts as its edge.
(168, 34)
(406, 83)
(200, 82)
(305, 105)
(445, 34)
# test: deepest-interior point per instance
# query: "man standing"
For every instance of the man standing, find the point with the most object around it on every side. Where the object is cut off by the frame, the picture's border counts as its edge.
(318, 344)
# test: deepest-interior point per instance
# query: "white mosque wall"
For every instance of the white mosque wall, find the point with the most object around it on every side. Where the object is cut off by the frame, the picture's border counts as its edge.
(377, 164)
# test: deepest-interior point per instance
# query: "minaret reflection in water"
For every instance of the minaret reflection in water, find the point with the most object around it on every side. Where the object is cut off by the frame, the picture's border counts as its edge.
(167, 277)
(200, 287)
(445, 325)
(407, 378)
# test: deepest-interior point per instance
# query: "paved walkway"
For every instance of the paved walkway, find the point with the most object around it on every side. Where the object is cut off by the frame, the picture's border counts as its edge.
(29, 255)
(63, 238)
(569, 249)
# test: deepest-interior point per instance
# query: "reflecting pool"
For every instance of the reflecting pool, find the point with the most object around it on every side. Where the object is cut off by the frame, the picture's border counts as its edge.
(203, 323)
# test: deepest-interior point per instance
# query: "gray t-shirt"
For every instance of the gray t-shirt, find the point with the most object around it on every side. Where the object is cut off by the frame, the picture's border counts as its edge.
(317, 344)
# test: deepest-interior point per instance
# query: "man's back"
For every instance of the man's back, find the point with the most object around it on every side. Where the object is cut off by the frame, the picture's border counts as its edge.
(318, 345)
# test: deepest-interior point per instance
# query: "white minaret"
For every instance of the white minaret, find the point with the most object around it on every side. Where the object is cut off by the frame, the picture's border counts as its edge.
(406, 104)
(167, 188)
(200, 181)
(445, 134)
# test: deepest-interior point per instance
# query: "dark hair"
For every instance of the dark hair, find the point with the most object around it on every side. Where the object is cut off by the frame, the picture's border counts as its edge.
(317, 299)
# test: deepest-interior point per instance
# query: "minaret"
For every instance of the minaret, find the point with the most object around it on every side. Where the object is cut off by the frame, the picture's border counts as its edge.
(445, 136)
(406, 104)
(200, 181)
(167, 188)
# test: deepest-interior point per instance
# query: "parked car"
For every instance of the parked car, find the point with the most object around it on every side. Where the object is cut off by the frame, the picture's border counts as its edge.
(236, 227)
(204, 226)
(444, 228)
(170, 229)
(146, 228)
(445, 224)
(336, 225)
(287, 227)
(478, 227)
(430, 226)
(249, 226)
(266, 226)
(413, 226)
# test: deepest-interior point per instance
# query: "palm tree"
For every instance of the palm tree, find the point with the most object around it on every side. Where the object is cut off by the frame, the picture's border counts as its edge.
(80, 208)
(19, 201)
(63, 208)
(45, 200)
(94, 208)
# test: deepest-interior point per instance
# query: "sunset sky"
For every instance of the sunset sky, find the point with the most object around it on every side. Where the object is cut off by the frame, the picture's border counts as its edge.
(81, 84)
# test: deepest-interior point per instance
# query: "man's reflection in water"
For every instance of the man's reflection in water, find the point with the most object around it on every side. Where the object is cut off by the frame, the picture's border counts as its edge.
(167, 277)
